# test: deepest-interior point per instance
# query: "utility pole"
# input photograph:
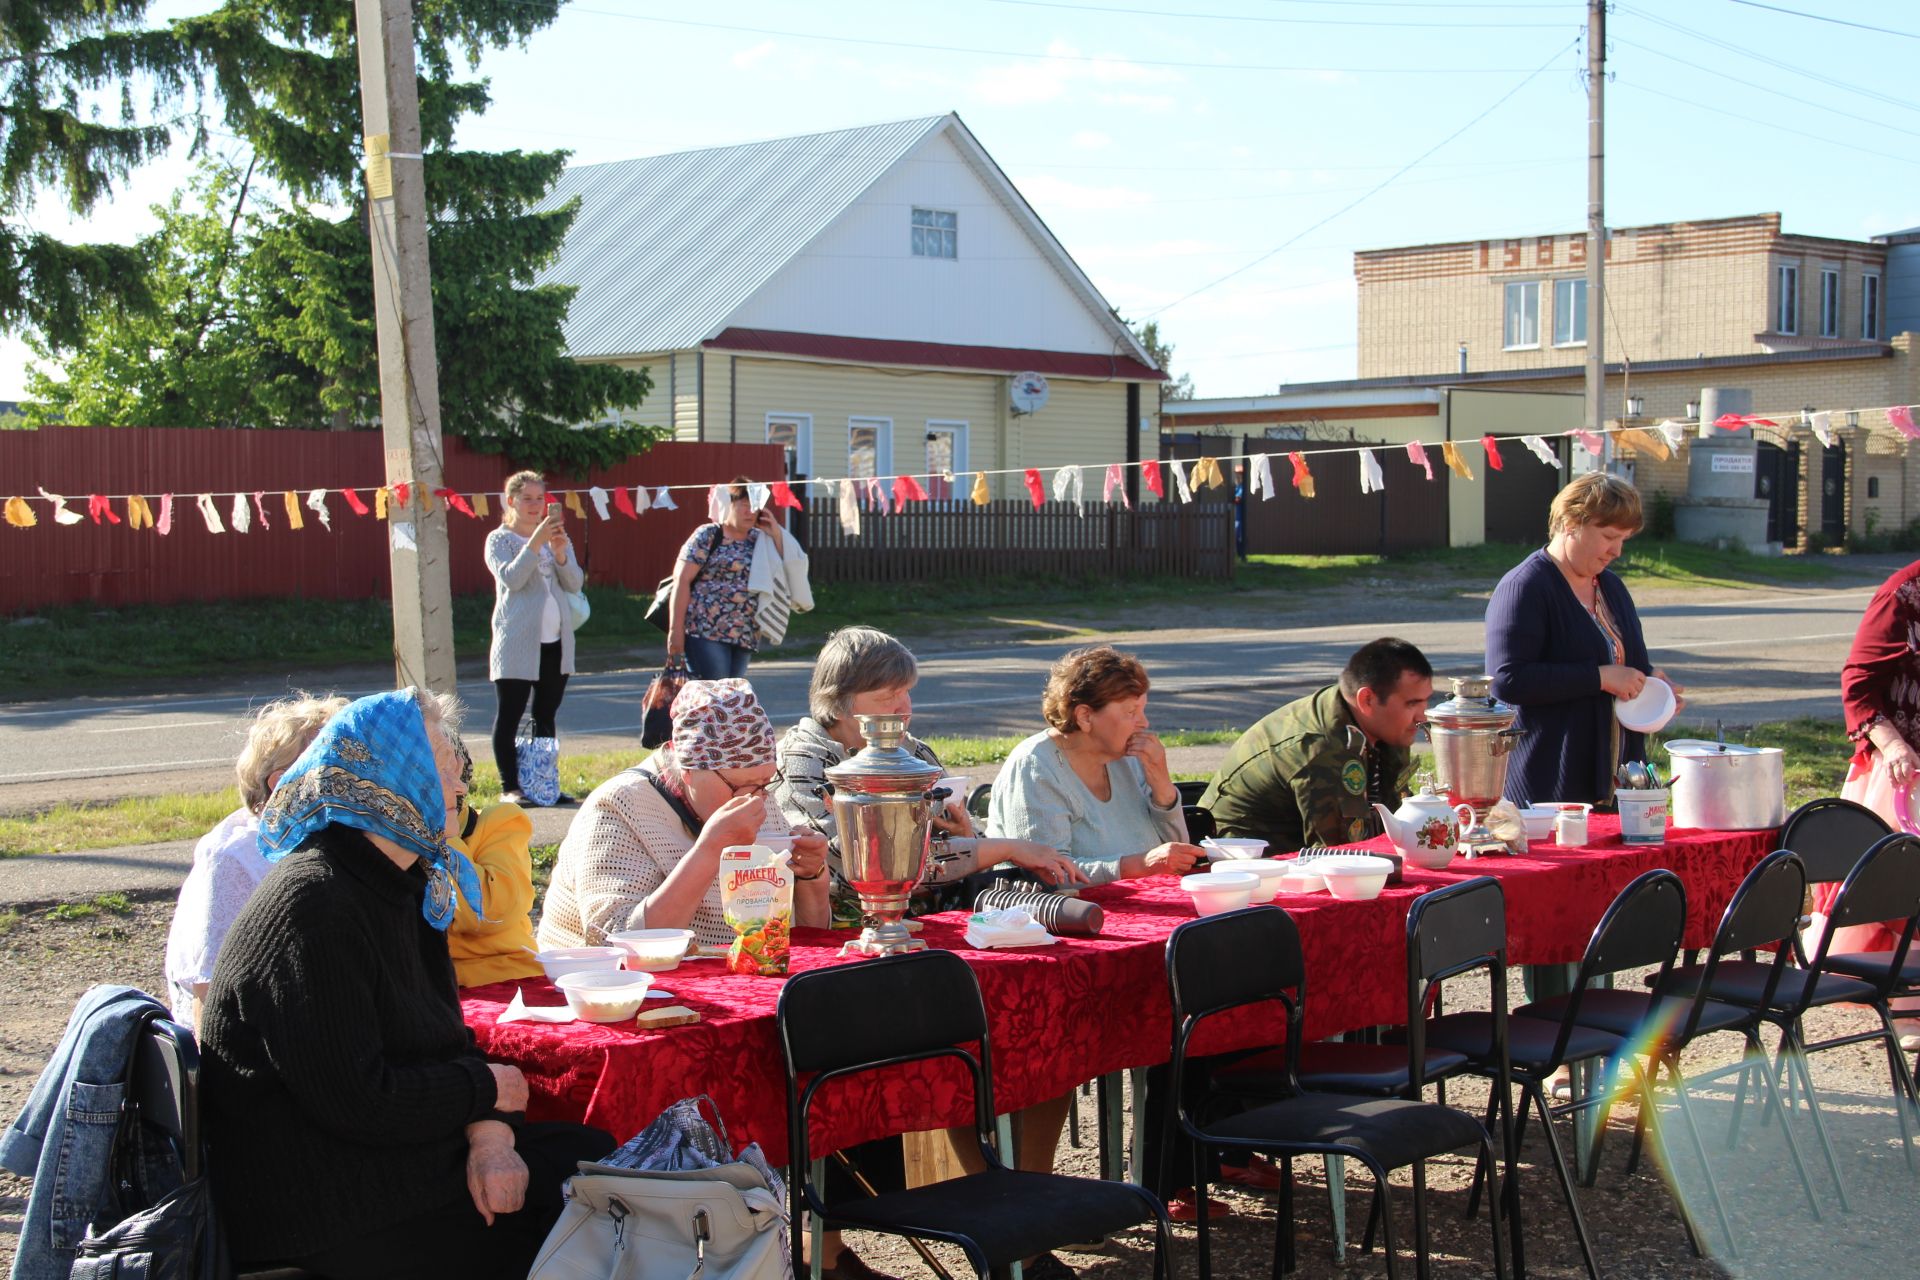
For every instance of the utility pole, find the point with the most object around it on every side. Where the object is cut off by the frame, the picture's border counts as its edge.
(1596, 217)
(403, 313)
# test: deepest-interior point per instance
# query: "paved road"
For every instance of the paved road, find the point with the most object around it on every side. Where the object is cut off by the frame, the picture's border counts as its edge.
(1745, 656)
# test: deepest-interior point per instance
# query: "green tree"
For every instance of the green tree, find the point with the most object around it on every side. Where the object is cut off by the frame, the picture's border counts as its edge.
(1180, 388)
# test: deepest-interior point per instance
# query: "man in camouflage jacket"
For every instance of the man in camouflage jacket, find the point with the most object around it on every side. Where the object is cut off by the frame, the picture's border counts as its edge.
(1309, 774)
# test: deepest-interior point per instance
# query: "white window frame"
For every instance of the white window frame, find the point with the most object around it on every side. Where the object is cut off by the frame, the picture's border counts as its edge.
(1870, 305)
(1507, 295)
(1575, 285)
(1786, 299)
(802, 438)
(959, 430)
(883, 444)
(1829, 302)
(924, 233)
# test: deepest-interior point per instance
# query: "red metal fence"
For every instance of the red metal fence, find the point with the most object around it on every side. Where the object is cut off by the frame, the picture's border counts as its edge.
(115, 565)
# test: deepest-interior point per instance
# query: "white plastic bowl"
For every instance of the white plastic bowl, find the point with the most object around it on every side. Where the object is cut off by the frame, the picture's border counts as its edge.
(1538, 820)
(1301, 877)
(1354, 876)
(1269, 871)
(564, 960)
(1234, 847)
(652, 950)
(1648, 712)
(604, 995)
(1217, 891)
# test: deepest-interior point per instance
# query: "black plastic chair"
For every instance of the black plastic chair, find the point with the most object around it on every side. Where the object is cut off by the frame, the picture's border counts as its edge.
(1253, 956)
(1829, 836)
(1884, 884)
(1190, 792)
(847, 1019)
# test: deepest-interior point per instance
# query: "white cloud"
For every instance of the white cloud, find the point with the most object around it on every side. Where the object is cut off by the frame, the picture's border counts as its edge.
(1064, 69)
(1091, 140)
(748, 58)
(1141, 101)
(1046, 192)
(1146, 251)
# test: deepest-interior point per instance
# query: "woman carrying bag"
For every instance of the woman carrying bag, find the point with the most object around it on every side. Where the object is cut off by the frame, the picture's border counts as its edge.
(714, 613)
(531, 656)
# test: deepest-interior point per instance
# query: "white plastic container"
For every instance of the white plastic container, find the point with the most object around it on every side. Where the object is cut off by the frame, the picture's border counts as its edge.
(1538, 820)
(652, 950)
(602, 996)
(1643, 816)
(1234, 847)
(1269, 871)
(564, 960)
(1217, 891)
(1354, 877)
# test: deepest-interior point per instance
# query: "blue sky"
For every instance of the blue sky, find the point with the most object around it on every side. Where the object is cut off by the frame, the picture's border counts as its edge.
(1198, 157)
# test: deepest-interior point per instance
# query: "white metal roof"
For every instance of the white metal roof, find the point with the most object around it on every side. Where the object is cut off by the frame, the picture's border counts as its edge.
(665, 248)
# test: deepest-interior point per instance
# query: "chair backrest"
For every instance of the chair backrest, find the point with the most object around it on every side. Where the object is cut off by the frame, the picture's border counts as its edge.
(1642, 927)
(1200, 823)
(1190, 791)
(166, 1085)
(1883, 885)
(1830, 835)
(1763, 912)
(978, 802)
(1223, 962)
(1452, 931)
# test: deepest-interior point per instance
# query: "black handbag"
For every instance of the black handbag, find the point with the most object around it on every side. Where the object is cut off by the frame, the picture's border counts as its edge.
(656, 718)
(660, 611)
(173, 1239)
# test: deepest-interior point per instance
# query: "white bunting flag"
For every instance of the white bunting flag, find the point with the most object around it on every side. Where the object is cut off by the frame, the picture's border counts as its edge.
(1822, 425)
(598, 497)
(641, 499)
(1067, 483)
(60, 513)
(317, 503)
(758, 495)
(207, 513)
(1180, 480)
(849, 509)
(403, 539)
(663, 500)
(1539, 449)
(1371, 481)
(1263, 475)
(240, 517)
(718, 501)
(1672, 432)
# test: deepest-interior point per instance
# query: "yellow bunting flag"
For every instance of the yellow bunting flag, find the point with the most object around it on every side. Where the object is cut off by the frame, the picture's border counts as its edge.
(1207, 471)
(480, 505)
(1645, 440)
(294, 520)
(1450, 454)
(20, 515)
(981, 495)
(573, 504)
(380, 504)
(426, 499)
(139, 514)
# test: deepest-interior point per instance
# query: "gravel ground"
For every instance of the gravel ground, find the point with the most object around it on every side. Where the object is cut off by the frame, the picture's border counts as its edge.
(1632, 1219)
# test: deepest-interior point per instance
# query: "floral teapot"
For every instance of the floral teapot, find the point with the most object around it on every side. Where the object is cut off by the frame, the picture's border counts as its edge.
(1426, 829)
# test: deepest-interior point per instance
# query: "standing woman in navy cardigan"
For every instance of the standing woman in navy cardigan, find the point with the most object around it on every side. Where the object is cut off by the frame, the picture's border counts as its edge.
(1563, 641)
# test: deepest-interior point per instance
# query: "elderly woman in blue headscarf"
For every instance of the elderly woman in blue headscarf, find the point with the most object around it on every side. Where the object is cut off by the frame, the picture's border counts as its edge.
(353, 1128)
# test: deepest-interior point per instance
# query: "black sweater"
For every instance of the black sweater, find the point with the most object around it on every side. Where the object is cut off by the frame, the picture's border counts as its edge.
(337, 1076)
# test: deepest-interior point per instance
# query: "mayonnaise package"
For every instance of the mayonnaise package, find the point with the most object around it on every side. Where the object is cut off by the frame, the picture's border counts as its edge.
(756, 897)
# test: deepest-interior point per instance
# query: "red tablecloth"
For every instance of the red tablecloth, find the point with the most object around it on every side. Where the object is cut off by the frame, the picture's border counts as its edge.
(1078, 1009)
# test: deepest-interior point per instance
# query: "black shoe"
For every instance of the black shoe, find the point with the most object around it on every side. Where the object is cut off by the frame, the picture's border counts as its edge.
(563, 799)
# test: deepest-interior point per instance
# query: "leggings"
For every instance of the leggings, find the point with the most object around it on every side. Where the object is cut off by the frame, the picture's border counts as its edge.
(455, 1240)
(546, 693)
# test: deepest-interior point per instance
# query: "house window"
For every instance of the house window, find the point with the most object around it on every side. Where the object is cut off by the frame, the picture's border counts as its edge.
(1873, 486)
(869, 447)
(1786, 316)
(1523, 314)
(1569, 313)
(794, 433)
(1829, 304)
(1870, 306)
(946, 452)
(936, 234)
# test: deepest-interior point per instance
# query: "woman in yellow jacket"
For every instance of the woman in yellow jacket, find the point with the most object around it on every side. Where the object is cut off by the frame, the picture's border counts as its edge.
(498, 841)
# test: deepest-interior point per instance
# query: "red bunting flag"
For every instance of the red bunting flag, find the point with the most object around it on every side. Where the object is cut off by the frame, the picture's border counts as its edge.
(1036, 490)
(401, 494)
(97, 506)
(1590, 441)
(1492, 447)
(456, 501)
(906, 488)
(1735, 421)
(1150, 472)
(1302, 478)
(623, 502)
(783, 495)
(353, 501)
(1901, 416)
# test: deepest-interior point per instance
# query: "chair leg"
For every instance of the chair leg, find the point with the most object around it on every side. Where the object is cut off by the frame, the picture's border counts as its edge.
(1772, 1108)
(1481, 1168)
(1700, 1154)
(1493, 1216)
(1538, 1097)
(1650, 1118)
(1902, 1083)
(1285, 1259)
(1596, 1119)
(1388, 1243)
(1792, 1057)
(1073, 1117)
(1375, 1208)
(1421, 1258)
(1201, 1153)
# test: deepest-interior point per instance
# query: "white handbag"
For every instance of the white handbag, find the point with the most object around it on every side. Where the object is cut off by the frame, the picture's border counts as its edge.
(697, 1224)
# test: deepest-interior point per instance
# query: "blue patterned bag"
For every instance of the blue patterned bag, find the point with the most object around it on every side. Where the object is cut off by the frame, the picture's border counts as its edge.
(539, 769)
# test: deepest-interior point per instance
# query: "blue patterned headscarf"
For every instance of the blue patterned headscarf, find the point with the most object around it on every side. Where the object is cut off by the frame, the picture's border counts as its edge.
(371, 768)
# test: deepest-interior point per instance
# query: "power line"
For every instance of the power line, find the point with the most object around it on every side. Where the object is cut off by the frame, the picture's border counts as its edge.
(1755, 85)
(1821, 17)
(1370, 192)
(1769, 124)
(1242, 17)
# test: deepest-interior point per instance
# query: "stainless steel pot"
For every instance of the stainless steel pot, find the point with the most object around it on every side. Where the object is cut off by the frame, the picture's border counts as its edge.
(1724, 787)
(884, 800)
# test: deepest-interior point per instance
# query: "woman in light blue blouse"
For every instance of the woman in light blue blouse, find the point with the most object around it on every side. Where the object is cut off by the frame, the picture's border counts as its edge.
(1094, 785)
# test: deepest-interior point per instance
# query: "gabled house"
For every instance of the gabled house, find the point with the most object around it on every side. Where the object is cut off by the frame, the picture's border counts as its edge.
(863, 297)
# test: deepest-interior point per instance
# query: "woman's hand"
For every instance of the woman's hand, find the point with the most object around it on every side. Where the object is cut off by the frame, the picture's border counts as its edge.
(1902, 763)
(809, 855)
(953, 822)
(1147, 749)
(1049, 864)
(496, 1175)
(1622, 682)
(1172, 859)
(764, 521)
(509, 1087)
(1679, 692)
(558, 541)
(738, 820)
(543, 531)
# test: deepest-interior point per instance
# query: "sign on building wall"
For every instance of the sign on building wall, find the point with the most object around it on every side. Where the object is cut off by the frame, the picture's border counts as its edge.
(1735, 463)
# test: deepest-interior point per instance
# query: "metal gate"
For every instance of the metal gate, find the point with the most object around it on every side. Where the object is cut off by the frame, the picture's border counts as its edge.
(1833, 494)
(1776, 478)
(1520, 493)
(1339, 519)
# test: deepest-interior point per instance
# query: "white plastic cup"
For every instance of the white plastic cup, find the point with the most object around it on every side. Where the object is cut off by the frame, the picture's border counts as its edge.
(1643, 816)
(1570, 828)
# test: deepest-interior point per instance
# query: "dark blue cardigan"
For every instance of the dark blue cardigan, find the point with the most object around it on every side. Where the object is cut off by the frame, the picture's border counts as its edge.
(1544, 653)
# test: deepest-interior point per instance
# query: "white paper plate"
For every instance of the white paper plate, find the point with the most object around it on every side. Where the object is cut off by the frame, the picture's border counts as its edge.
(1649, 712)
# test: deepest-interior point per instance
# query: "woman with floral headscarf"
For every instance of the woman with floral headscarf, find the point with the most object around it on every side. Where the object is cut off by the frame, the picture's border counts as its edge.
(353, 1130)
(644, 852)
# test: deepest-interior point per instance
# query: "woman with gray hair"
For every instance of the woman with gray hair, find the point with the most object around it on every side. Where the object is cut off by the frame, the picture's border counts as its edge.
(227, 864)
(862, 671)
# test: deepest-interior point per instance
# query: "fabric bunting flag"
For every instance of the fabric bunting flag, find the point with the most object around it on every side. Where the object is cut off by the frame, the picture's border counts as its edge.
(60, 513)
(783, 495)
(663, 499)
(317, 503)
(1417, 454)
(97, 506)
(403, 494)
(1672, 432)
(1207, 471)
(209, 514)
(139, 514)
(20, 515)
(1180, 480)
(640, 501)
(601, 500)
(1150, 472)
(290, 503)
(1035, 490)
(717, 502)
(575, 506)
(1254, 482)
(1540, 449)
(876, 494)
(380, 504)
(849, 504)
(1371, 480)
(1901, 416)
(1263, 476)
(1302, 478)
(1735, 421)
(165, 526)
(1492, 449)
(1644, 442)
(455, 502)
(758, 495)
(354, 503)
(240, 517)
(981, 495)
(1068, 485)
(426, 500)
(1590, 441)
(1450, 454)
(260, 510)
(1116, 482)
(907, 489)
(480, 508)
(1821, 424)
(623, 502)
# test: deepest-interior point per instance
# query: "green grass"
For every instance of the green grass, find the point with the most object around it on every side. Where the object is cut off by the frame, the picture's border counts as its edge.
(958, 753)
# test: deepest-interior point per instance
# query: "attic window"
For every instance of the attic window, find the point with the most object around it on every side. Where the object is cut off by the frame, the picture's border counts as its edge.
(936, 234)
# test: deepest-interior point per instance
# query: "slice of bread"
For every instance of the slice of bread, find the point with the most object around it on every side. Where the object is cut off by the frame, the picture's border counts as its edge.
(673, 1015)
